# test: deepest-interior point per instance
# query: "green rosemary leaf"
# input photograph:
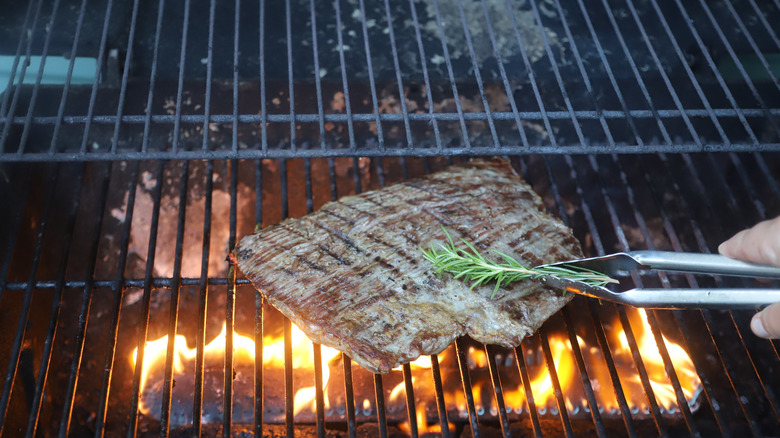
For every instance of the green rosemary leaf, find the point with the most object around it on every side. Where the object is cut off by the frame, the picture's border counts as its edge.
(469, 265)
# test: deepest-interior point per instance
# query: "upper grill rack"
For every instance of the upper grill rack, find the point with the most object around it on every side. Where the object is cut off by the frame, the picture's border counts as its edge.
(414, 78)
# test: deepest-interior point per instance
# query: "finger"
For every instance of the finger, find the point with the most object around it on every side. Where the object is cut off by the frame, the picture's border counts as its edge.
(766, 323)
(759, 244)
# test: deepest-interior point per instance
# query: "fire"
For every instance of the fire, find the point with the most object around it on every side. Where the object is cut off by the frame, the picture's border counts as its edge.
(243, 353)
(515, 398)
(566, 369)
(659, 381)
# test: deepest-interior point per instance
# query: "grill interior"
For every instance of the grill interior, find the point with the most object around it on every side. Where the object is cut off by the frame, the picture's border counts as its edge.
(642, 125)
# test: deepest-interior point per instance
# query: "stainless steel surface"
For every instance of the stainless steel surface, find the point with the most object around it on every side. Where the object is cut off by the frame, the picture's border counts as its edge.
(674, 298)
(620, 264)
(623, 264)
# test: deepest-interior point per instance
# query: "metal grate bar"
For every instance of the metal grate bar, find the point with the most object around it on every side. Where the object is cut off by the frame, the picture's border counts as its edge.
(319, 398)
(200, 337)
(39, 76)
(584, 73)
(180, 86)
(371, 80)
(236, 28)
(597, 324)
(417, 117)
(477, 75)
(381, 414)
(638, 76)
(586, 383)
(768, 392)
(95, 82)
(261, 60)
(290, 86)
(68, 77)
(145, 302)
(259, 301)
(728, 368)
(17, 56)
(317, 350)
(611, 76)
(209, 79)
(681, 320)
(529, 394)
(531, 74)
(502, 72)
(688, 71)
(344, 82)
(86, 300)
(125, 74)
(557, 391)
(230, 307)
(751, 41)
(738, 63)
(557, 73)
(441, 405)
(157, 283)
(708, 319)
(410, 405)
(773, 184)
(451, 74)
(590, 396)
(761, 17)
(349, 395)
(652, 319)
(117, 307)
(317, 81)
(152, 77)
(752, 195)
(401, 96)
(576, 148)
(173, 317)
(43, 369)
(465, 379)
(426, 81)
(14, 223)
(289, 400)
(498, 390)
(17, 90)
(636, 354)
(288, 380)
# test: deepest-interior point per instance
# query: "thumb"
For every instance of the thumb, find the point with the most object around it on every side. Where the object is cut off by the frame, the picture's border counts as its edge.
(766, 323)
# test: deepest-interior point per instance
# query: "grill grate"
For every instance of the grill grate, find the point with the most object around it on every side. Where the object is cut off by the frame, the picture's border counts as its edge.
(680, 202)
(420, 79)
(130, 185)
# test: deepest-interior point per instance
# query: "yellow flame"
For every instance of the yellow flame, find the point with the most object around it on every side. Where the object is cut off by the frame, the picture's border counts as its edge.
(653, 362)
(600, 379)
(243, 352)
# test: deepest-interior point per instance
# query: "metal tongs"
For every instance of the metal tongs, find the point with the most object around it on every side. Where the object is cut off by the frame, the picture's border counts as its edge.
(624, 263)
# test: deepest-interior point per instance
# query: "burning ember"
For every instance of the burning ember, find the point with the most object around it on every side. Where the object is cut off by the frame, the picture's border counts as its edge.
(426, 412)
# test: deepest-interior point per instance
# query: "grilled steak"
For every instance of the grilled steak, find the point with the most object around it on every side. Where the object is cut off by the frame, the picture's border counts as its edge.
(352, 275)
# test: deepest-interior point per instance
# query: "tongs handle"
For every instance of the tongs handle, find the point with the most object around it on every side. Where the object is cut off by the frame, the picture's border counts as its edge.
(715, 264)
(704, 298)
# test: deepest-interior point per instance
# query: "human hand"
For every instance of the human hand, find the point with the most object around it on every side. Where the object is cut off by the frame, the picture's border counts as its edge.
(759, 244)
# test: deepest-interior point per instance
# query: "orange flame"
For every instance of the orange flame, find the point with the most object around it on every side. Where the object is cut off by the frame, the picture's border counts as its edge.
(243, 352)
(565, 367)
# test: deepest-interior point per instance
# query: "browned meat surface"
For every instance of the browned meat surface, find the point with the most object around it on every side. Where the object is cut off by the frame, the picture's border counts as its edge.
(352, 275)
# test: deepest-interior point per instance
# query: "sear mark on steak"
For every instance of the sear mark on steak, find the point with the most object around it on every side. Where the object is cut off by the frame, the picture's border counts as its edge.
(369, 292)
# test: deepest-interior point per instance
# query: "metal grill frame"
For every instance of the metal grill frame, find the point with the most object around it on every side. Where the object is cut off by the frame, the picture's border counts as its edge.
(684, 110)
(561, 153)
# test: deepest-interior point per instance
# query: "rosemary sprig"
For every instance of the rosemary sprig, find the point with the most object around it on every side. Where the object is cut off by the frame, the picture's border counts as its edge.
(471, 266)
